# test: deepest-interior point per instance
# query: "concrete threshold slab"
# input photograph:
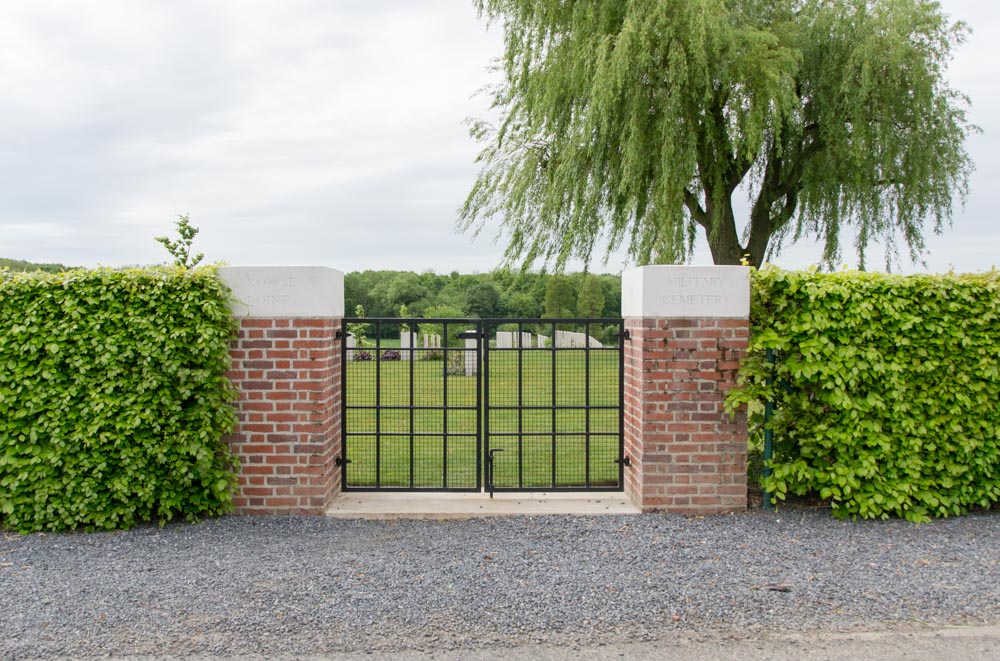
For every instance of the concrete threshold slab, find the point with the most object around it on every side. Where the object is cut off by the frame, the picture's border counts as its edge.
(409, 505)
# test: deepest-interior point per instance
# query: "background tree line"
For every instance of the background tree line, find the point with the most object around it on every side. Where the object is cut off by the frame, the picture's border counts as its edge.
(497, 294)
(21, 265)
(492, 295)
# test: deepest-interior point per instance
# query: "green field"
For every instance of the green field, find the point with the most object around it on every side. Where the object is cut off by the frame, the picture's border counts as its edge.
(533, 417)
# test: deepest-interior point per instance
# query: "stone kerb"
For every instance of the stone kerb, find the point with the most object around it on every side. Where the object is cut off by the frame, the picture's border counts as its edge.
(286, 366)
(688, 330)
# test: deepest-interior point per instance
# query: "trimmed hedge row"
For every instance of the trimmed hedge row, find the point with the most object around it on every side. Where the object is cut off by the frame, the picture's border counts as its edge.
(113, 398)
(887, 389)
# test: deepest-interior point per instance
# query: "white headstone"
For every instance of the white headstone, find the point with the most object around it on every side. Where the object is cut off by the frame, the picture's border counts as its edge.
(471, 364)
(407, 341)
(570, 340)
(575, 340)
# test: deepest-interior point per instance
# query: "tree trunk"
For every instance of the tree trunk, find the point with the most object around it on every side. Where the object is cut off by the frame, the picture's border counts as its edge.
(723, 240)
(760, 232)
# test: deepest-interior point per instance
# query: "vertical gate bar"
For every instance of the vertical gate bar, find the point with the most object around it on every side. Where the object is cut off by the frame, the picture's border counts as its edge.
(344, 405)
(586, 401)
(410, 342)
(444, 409)
(520, 408)
(554, 414)
(378, 408)
(621, 403)
(483, 403)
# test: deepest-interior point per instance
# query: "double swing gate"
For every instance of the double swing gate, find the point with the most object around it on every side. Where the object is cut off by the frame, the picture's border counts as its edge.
(474, 404)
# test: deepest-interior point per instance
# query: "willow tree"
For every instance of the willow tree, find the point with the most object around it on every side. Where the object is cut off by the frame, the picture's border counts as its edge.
(635, 123)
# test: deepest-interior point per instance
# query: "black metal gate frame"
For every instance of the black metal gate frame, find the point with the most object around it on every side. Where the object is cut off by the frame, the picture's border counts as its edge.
(483, 407)
(490, 325)
(377, 407)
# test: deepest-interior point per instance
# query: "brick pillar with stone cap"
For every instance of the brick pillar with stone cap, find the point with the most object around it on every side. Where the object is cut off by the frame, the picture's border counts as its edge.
(286, 365)
(688, 329)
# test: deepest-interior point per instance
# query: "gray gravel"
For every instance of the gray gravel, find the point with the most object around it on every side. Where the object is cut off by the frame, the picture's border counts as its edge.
(297, 586)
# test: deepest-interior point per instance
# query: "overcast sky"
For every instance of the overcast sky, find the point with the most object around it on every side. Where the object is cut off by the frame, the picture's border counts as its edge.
(320, 132)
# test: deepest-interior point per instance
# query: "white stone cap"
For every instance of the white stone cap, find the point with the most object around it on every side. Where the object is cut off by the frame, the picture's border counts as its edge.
(686, 291)
(285, 291)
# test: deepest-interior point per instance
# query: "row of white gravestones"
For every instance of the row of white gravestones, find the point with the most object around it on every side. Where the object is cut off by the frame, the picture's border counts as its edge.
(504, 340)
(571, 340)
(408, 340)
(564, 339)
(509, 340)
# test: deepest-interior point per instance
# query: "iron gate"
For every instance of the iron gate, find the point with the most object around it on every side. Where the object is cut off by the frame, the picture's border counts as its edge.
(412, 418)
(552, 405)
(468, 404)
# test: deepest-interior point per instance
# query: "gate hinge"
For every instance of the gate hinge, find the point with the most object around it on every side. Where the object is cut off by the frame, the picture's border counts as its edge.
(624, 461)
(340, 461)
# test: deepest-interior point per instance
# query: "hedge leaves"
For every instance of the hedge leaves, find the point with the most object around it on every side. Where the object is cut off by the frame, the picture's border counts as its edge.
(113, 398)
(887, 389)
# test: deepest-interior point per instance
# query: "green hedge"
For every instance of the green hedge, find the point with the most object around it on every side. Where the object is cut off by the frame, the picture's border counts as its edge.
(113, 398)
(887, 389)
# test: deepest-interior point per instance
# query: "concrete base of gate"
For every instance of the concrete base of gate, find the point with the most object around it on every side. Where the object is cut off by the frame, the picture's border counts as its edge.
(409, 505)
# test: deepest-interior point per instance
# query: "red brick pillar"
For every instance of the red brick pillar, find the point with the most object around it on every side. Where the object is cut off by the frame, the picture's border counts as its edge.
(286, 367)
(688, 329)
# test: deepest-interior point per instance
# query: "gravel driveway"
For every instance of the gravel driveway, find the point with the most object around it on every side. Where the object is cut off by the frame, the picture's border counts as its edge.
(297, 586)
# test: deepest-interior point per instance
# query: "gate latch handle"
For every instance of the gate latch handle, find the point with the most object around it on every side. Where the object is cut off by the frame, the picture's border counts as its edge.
(489, 469)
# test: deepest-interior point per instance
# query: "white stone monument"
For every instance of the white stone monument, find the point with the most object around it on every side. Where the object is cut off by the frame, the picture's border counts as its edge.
(686, 292)
(285, 291)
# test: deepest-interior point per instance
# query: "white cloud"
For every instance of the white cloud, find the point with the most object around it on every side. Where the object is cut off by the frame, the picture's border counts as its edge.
(294, 131)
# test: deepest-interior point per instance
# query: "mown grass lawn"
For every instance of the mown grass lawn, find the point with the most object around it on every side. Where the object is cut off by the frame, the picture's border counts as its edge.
(543, 429)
